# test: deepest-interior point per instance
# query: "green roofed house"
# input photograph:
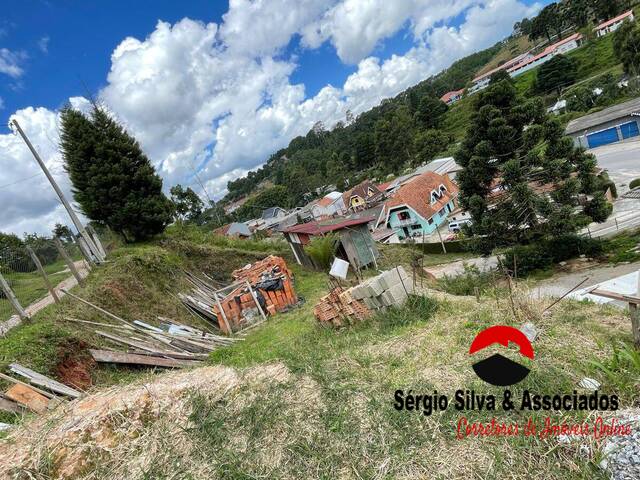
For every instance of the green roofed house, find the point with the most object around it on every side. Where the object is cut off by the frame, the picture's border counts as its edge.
(356, 243)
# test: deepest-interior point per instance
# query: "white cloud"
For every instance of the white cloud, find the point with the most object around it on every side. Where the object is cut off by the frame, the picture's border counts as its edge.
(43, 44)
(10, 62)
(202, 95)
(1, 103)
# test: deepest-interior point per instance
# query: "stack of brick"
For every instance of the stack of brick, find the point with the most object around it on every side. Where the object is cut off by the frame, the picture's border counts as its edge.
(272, 279)
(342, 307)
(390, 288)
(339, 308)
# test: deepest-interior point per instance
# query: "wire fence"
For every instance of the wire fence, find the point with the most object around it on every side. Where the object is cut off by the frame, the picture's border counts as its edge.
(20, 271)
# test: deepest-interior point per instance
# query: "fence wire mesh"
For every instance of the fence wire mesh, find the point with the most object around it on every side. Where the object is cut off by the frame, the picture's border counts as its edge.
(21, 273)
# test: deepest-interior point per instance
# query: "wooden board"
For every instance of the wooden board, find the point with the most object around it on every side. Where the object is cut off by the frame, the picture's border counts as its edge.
(10, 406)
(43, 381)
(28, 397)
(108, 356)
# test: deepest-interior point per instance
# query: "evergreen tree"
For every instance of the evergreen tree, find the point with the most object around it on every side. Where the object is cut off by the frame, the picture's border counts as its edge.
(557, 73)
(63, 232)
(521, 177)
(187, 204)
(113, 181)
(626, 45)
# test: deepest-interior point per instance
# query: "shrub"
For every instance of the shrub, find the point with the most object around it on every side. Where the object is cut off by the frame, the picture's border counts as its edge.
(541, 255)
(467, 282)
(322, 249)
(634, 183)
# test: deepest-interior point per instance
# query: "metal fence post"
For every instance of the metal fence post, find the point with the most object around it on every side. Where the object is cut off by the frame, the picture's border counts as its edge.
(36, 260)
(68, 260)
(13, 299)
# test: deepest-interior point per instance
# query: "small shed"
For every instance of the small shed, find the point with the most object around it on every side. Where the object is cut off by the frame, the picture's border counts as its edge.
(356, 243)
(234, 229)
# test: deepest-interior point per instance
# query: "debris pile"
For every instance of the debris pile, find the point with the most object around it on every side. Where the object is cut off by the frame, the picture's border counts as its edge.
(259, 289)
(168, 345)
(37, 393)
(341, 307)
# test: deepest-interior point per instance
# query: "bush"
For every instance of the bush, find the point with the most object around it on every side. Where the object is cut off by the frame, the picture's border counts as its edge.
(322, 250)
(467, 282)
(524, 259)
(634, 183)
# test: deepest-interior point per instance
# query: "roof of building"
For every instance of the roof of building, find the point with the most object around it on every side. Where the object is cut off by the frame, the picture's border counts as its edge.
(611, 21)
(239, 229)
(440, 166)
(362, 191)
(325, 226)
(603, 116)
(271, 212)
(547, 51)
(509, 63)
(329, 199)
(417, 194)
(449, 95)
(382, 234)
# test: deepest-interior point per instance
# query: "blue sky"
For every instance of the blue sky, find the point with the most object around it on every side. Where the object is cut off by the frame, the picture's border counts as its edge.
(217, 85)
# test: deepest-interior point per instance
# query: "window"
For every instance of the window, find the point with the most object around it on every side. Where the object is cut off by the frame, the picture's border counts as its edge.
(441, 212)
(430, 221)
(403, 216)
(415, 227)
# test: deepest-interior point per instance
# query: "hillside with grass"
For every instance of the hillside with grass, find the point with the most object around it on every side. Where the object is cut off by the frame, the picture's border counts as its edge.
(293, 397)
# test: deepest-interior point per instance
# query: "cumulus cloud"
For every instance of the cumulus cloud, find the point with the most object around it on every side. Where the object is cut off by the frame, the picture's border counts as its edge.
(214, 99)
(10, 62)
(43, 44)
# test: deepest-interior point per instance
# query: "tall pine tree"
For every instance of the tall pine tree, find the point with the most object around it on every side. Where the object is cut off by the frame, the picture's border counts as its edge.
(113, 181)
(522, 178)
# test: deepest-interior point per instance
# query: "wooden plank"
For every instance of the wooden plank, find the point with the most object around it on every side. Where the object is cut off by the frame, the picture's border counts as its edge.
(13, 299)
(43, 381)
(28, 397)
(145, 348)
(43, 274)
(107, 356)
(10, 406)
(68, 260)
(15, 380)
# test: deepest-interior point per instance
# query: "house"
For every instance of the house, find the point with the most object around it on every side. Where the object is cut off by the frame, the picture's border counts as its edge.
(356, 245)
(235, 229)
(613, 24)
(614, 124)
(421, 205)
(273, 212)
(563, 46)
(452, 97)
(362, 196)
(331, 204)
(482, 81)
(559, 107)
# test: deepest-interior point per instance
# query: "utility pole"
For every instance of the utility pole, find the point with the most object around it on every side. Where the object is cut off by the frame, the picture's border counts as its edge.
(74, 218)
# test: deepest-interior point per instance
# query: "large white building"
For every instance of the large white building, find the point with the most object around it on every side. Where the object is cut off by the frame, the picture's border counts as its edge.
(613, 24)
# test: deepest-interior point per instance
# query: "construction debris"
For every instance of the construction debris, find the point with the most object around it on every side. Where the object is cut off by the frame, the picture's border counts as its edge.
(343, 307)
(9, 406)
(259, 289)
(40, 380)
(108, 356)
(28, 397)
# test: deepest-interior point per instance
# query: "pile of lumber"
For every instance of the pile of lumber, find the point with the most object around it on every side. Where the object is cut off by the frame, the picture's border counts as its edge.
(169, 344)
(347, 306)
(258, 289)
(37, 393)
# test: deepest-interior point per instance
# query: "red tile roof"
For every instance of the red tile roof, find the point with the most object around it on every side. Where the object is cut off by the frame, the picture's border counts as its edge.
(325, 201)
(626, 14)
(449, 95)
(318, 228)
(547, 51)
(417, 194)
(361, 190)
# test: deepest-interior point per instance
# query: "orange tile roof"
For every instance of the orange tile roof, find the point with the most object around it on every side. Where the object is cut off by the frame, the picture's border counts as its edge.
(325, 201)
(449, 95)
(417, 194)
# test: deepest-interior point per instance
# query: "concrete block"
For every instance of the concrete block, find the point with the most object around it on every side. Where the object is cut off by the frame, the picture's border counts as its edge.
(386, 299)
(390, 278)
(398, 294)
(357, 292)
(371, 303)
(376, 286)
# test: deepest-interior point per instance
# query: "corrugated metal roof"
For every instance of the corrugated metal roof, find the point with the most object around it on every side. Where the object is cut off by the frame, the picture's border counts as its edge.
(317, 228)
(603, 116)
(614, 20)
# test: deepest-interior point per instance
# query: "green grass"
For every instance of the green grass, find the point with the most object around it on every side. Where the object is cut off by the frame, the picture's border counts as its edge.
(621, 248)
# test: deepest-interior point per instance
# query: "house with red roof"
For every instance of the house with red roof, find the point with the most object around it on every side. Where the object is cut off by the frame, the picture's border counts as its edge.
(331, 204)
(362, 196)
(452, 97)
(355, 243)
(613, 24)
(420, 205)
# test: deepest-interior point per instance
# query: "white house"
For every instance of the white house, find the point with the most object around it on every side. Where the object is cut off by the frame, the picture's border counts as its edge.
(613, 24)
(332, 203)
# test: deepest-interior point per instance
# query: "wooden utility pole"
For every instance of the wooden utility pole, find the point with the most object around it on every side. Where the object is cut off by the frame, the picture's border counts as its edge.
(441, 242)
(36, 260)
(74, 218)
(68, 260)
(13, 300)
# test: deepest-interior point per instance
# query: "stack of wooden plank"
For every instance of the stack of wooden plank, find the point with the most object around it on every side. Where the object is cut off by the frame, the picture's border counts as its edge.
(36, 393)
(168, 345)
(273, 280)
(339, 308)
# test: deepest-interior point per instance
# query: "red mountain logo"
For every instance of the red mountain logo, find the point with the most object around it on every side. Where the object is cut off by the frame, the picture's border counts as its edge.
(497, 369)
